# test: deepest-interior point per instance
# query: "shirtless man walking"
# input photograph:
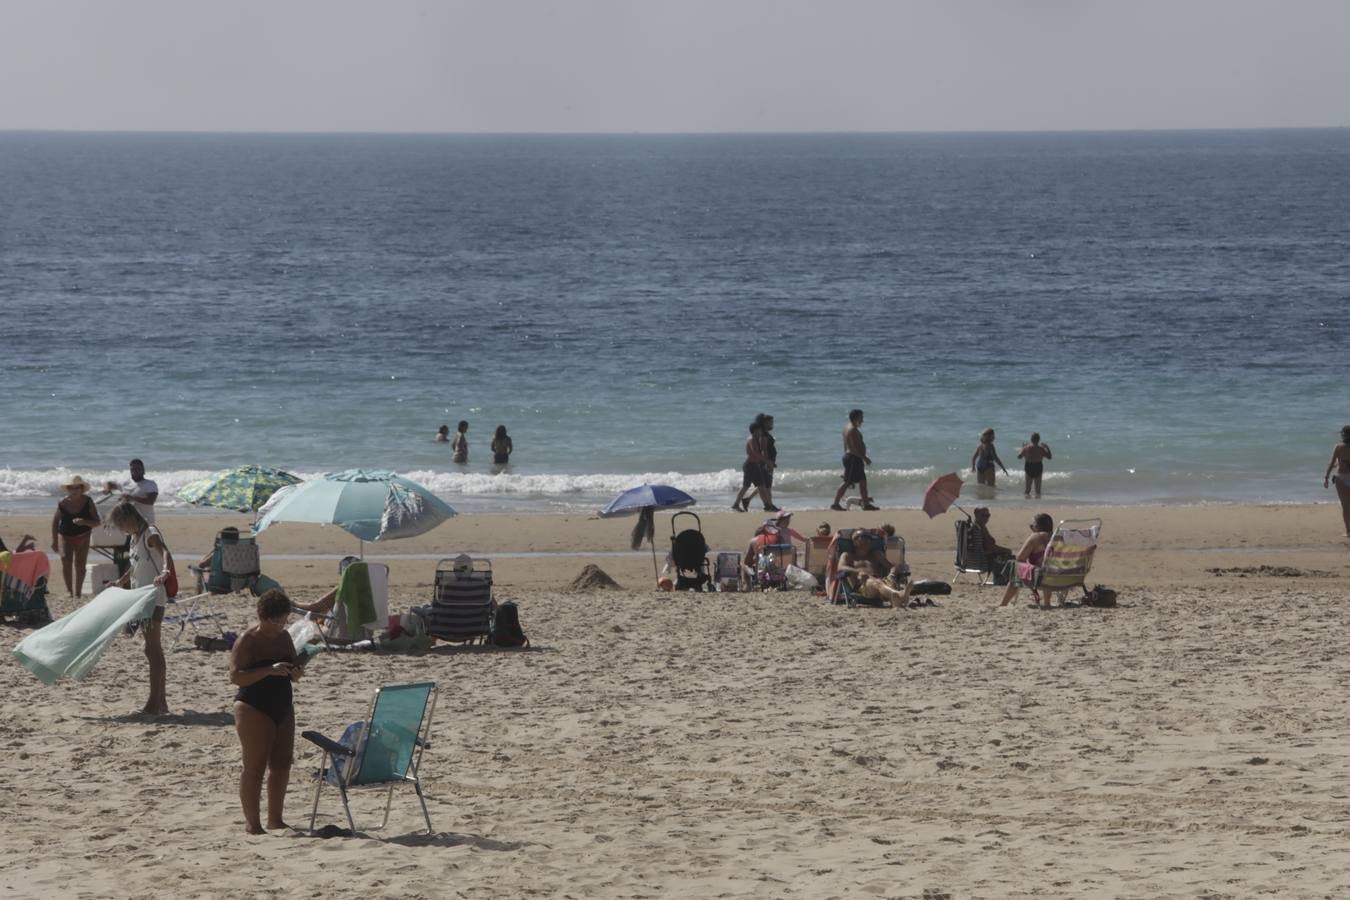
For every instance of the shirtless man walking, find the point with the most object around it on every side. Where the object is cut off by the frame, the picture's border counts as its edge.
(855, 462)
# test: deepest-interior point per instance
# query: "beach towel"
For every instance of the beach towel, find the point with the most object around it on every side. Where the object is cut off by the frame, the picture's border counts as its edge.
(70, 646)
(20, 576)
(356, 598)
(832, 571)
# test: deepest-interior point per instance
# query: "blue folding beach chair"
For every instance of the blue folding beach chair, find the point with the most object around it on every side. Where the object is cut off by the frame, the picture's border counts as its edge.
(382, 751)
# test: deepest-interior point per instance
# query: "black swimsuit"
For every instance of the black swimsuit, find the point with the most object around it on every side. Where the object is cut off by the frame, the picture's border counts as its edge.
(270, 696)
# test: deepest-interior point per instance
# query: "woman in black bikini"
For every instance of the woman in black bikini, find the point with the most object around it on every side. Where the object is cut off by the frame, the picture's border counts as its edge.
(263, 664)
(76, 516)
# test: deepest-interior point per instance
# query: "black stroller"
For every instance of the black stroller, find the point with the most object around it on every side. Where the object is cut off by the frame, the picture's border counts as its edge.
(689, 551)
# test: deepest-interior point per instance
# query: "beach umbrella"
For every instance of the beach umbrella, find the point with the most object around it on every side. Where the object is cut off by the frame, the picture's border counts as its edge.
(371, 505)
(941, 494)
(643, 501)
(243, 488)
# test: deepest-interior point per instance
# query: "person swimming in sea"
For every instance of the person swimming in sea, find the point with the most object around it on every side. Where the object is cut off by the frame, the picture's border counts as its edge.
(443, 434)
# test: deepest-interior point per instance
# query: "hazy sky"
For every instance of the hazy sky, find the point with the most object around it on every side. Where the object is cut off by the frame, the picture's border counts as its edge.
(678, 65)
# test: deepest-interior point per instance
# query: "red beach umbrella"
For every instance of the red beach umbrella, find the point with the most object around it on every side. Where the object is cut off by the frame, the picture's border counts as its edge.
(942, 494)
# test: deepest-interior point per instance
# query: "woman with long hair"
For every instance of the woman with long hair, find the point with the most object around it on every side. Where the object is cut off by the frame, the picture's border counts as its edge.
(151, 564)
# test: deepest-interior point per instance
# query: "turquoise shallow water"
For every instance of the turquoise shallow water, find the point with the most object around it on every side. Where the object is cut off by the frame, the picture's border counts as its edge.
(1167, 309)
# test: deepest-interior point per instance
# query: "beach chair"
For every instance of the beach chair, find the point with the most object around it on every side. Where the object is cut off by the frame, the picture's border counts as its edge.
(689, 552)
(1068, 559)
(838, 590)
(23, 589)
(461, 601)
(381, 752)
(971, 556)
(236, 566)
(817, 556)
(769, 567)
(727, 574)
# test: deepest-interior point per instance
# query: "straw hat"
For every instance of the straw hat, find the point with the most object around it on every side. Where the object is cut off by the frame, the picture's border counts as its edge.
(78, 483)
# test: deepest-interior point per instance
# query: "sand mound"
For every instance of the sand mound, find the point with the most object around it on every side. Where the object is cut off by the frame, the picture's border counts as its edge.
(592, 578)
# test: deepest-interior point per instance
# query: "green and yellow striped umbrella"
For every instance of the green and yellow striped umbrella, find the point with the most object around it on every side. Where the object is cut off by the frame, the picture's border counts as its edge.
(243, 489)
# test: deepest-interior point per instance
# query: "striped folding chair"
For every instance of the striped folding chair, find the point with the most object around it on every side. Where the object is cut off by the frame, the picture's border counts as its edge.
(461, 605)
(1068, 559)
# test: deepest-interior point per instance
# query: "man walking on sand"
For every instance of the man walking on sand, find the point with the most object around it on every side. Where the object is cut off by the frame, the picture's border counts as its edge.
(855, 462)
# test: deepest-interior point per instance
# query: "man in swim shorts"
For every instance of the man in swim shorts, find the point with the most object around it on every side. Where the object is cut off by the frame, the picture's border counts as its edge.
(1033, 456)
(855, 462)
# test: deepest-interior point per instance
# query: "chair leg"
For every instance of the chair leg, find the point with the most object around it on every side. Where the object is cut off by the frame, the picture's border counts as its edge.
(423, 800)
(388, 802)
(346, 807)
(314, 813)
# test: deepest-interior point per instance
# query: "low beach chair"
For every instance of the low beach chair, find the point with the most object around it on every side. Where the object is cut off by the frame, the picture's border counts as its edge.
(383, 751)
(461, 601)
(727, 574)
(817, 556)
(23, 588)
(1068, 559)
(971, 557)
(236, 566)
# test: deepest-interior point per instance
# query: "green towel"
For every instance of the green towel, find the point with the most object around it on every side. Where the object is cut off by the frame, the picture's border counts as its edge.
(71, 645)
(355, 597)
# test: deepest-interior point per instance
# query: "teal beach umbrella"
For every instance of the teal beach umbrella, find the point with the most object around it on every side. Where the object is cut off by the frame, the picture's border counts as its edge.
(371, 505)
(243, 488)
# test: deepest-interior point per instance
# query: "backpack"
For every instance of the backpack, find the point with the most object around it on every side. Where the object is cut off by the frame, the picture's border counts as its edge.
(1099, 596)
(505, 629)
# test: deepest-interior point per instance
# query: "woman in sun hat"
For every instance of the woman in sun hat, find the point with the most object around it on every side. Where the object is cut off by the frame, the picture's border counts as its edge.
(76, 516)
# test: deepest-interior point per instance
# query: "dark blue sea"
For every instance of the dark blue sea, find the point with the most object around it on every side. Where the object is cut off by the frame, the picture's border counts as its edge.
(1169, 310)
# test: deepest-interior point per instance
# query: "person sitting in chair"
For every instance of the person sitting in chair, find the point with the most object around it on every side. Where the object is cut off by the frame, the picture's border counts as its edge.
(1032, 553)
(996, 556)
(775, 532)
(868, 572)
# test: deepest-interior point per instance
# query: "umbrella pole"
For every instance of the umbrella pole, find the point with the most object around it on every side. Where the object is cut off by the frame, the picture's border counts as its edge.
(655, 572)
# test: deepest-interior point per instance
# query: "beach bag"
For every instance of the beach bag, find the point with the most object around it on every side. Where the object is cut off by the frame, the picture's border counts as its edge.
(940, 588)
(505, 630)
(800, 579)
(1101, 597)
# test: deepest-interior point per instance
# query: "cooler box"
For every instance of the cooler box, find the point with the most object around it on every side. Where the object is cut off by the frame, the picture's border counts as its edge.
(98, 576)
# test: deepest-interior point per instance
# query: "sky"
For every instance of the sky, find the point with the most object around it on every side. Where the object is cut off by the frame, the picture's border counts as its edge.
(673, 66)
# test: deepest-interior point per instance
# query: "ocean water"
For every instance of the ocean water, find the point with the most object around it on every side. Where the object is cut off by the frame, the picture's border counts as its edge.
(1169, 310)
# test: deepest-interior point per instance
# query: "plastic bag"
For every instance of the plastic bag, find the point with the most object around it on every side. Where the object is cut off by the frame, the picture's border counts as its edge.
(302, 632)
(801, 580)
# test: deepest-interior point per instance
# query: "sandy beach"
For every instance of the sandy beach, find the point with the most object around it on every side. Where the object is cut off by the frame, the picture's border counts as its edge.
(1189, 743)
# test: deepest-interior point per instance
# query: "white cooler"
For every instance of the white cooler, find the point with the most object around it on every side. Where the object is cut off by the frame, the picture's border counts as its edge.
(98, 576)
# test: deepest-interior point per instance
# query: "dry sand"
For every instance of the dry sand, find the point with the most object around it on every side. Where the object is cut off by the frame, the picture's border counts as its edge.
(1189, 743)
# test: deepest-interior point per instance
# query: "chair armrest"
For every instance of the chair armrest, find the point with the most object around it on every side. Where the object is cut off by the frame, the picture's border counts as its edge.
(196, 569)
(328, 744)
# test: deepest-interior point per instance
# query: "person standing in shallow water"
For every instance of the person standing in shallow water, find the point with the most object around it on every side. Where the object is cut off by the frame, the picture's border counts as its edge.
(1033, 456)
(985, 458)
(459, 444)
(502, 447)
(443, 434)
(1340, 461)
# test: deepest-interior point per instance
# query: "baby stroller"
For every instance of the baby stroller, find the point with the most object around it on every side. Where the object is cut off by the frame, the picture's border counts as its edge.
(689, 551)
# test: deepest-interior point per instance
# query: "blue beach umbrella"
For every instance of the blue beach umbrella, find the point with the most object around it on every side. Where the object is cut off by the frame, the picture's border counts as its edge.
(645, 500)
(371, 505)
(657, 496)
